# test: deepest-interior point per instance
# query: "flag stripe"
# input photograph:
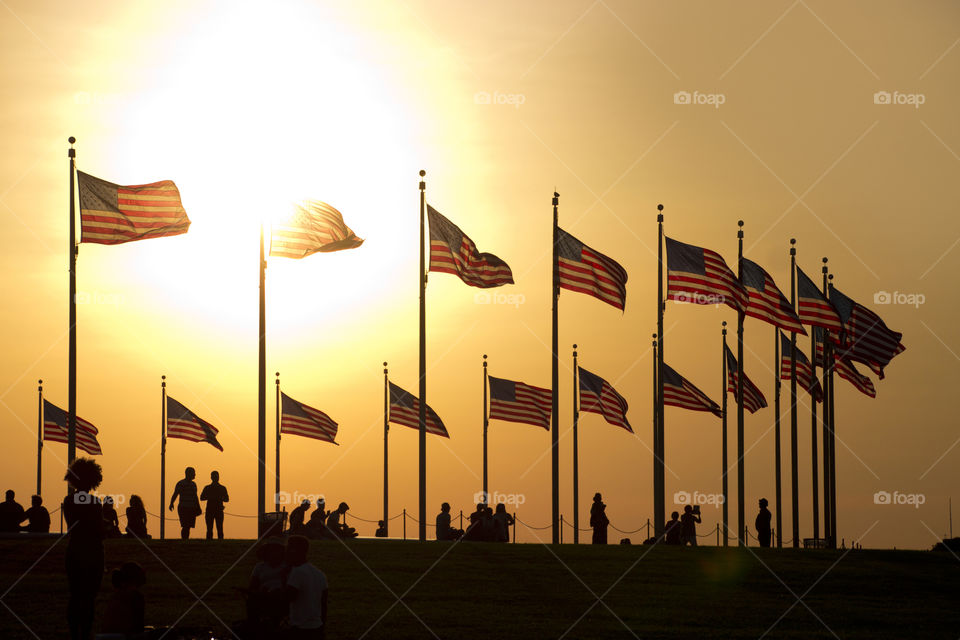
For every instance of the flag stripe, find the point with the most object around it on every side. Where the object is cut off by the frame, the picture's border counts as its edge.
(405, 410)
(701, 276)
(598, 396)
(680, 392)
(519, 402)
(451, 251)
(315, 226)
(299, 419)
(113, 214)
(186, 425)
(583, 270)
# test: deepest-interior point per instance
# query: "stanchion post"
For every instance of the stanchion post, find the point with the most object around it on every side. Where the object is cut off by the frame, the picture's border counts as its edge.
(404, 524)
(514, 527)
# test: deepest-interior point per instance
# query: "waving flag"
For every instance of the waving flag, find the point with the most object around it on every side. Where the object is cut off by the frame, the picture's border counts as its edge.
(865, 337)
(805, 375)
(56, 429)
(587, 271)
(813, 308)
(598, 396)
(701, 276)
(298, 419)
(680, 392)
(753, 399)
(314, 227)
(766, 302)
(451, 251)
(519, 402)
(186, 425)
(113, 214)
(405, 410)
(844, 367)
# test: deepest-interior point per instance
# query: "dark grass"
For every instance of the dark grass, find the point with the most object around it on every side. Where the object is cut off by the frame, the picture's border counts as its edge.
(473, 590)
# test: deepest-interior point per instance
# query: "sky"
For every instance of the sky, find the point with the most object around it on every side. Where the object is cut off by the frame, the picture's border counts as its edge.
(830, 123)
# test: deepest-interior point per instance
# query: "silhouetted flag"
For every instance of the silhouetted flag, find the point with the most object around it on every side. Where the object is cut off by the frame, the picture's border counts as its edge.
(812, 307)
(314, 227)
(55, 429)
(804, 371)
(701, 276)
(865, 337)
(298, 419)
(405, 410)
(845, 368)
(766, 301)
(519, 402)
(451, 251)
(680, 392)
(598, 396)
(186, 425)
(587, 271)
(113, 214)
(753, 399)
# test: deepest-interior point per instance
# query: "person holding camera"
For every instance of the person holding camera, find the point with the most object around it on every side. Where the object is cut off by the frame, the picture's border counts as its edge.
(688, 525)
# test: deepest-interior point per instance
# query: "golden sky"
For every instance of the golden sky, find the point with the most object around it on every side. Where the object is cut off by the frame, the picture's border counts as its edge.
(250, 106)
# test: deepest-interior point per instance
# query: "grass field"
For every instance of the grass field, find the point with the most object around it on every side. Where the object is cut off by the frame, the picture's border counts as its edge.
(472, 590)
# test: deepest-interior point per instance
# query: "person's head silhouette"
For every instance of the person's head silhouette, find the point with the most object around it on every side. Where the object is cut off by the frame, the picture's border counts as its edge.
(215, 476)
(343, 507)
(10, 495)
(674, 515)
(136, 502)
(445, 507)
(297, 547)
(501, 508)
(305, 503)
(189, 473)
(108, 502)
(687, 509)
(36, 501)
(83, 474)
(763, 503)
(597, 497)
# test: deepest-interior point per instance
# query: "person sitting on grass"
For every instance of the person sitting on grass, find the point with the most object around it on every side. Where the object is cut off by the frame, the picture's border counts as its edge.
(381, 529)
(306, 593)
(125, 609)
(297, 516)
(111, 522)
(137, 518)
(315, 528)
(444, 530)
(266, 603)
(37, 517)
(338, 528)
(671, 530)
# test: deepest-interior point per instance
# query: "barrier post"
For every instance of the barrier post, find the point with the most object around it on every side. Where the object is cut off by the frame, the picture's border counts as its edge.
(718, 534)
(514, 527)
(461, 519)
(648, 528)
(404, 524)
(561, 528)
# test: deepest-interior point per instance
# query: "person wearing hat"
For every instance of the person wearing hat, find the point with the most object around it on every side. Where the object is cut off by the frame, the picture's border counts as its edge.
(763, 524)
(338, 528)
(125, 609)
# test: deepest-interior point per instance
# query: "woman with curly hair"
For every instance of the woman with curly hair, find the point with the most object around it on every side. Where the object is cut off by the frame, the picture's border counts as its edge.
(84, 517)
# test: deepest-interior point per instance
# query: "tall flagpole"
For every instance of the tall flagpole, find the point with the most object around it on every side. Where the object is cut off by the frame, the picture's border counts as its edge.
(72, 349)
(656, 412)
(794, 471)
(741, 481)
(386, 431)
(276, 499)
(163, 452)
(262, 394)
(827, 360)
(659, 512)
(39, 432)
(776, 435)
(486, 424)
(423, 367)
(814, 451)
(723, 430)
(555, 383)
(833, 446)
(576, 453)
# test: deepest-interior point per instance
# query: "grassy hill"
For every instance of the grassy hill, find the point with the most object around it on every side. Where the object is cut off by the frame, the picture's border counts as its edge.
(472, 590)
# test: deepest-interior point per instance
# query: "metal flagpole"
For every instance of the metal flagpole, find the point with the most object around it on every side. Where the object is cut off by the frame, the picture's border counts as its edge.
(72, 348)
(723, 430)
(386, 431)
(262, 395)
(833, 447)
(486, 424)
(555, 384)
(827, 361)
(163, 452)
(423, 367)
(794, 471)
(815, 479)
(656, 418)
(276, 499)
(776, 435)
(659, 511)
(576, 453)
(741, 481)
(39, 432)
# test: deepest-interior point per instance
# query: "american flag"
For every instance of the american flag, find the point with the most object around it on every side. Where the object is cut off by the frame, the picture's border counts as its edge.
(519, 402)
(812, 307)
(805, 375)
(405, 410)
(314, 226)
(598, 396)
(766, 301)
(56, 429)
(753, 399)
(865, 336)
(186, 425)
(587, 271)
(845, 368)
(300, 420)
(680, 392)
(113, 214)
(451, 251)
(701, 276)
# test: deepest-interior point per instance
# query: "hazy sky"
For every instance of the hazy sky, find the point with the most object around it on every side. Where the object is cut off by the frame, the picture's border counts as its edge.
(249, 106)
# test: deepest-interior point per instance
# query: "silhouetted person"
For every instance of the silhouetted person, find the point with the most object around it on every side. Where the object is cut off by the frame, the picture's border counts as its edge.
(306, 592)
(599, 520)
(111, 522)
(125, 608)
(316, 527)
(502, 522)
(478, 513)
(137, 518)
(671, 530)
(215, 494)
(297, 517)
(266, 605)
(763, 524)
(37, 516)
(381, 529)
(688, 526)
(189, 507)
(338, 528)
(11, 513)
(444, 530)
(84, 563)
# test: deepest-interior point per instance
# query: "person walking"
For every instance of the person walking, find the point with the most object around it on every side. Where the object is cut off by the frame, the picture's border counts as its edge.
(189, 506)
(84, 563)
(215, 494)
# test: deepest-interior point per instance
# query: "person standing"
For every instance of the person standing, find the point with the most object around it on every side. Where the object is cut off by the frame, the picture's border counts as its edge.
(84, 563)
(215, 494)
(306, 591)
(11, 513)
(763, 524)
(189, 506)
(688, 526)
(599, 520)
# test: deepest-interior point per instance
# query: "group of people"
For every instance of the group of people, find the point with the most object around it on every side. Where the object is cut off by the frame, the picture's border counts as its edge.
(322, 523)
(12, 515)
(681, 530)
(188, 507)
(486, 524)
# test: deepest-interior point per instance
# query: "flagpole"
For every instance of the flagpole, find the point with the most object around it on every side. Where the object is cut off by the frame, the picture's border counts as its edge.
(776, 434)
(659, 514)
(422, 276)
(833, 447)
(656, 414)
(576, 454)
(794, 471)
(741, 481)
(723, 447)
(163, 452)
(555, 384)
(276, 498)
(486, 424)
(72, 348)
(262, 394)
(39, 432)
(386, 430)
(815, 476)
(827, 359)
